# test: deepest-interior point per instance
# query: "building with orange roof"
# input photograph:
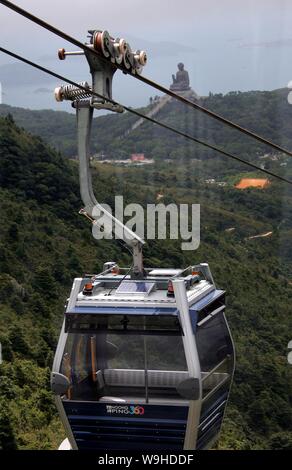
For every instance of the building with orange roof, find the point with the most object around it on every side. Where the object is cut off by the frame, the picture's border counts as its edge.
(260, 183)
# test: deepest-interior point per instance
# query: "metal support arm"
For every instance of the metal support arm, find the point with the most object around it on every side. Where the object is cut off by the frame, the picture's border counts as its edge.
(115, 51)
(84, 121)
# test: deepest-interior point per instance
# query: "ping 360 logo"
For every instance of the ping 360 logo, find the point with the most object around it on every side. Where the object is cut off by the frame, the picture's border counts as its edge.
(137, 410)
(125, 410)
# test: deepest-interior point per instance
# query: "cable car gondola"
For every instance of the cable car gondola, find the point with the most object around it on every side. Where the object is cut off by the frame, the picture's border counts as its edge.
(145, 357)
(148, 366)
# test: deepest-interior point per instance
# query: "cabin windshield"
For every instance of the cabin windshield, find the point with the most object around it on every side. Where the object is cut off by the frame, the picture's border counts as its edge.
(139, 360)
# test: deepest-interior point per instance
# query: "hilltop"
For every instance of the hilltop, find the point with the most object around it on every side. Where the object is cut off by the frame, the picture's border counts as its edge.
(255, 110)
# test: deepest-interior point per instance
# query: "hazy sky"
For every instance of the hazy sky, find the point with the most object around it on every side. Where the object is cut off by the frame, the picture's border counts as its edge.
(225, 44)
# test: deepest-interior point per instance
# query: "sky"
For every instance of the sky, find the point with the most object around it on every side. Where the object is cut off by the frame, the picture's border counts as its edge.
(226, 45)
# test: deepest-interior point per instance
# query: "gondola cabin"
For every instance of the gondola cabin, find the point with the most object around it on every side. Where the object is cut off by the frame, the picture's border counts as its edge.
(144, 363)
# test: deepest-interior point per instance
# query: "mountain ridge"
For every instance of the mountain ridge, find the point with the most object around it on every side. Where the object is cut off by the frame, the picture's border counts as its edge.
(254, 110)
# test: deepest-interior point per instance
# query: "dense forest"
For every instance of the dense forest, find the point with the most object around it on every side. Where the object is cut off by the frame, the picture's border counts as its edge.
(44, 244)
(255, 110)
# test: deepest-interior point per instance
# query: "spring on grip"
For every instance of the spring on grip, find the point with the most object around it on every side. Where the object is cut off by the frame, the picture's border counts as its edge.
(71, 92)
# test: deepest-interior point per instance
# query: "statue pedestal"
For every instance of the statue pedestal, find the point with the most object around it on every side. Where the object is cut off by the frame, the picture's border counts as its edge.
(178, 88)
(189, 94)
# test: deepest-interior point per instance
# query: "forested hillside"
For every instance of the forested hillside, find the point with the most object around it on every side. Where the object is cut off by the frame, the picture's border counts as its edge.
(265, 112)
(44, 244)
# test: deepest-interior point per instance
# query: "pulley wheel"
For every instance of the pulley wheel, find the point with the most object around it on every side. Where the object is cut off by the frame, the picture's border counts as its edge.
(99, 42)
